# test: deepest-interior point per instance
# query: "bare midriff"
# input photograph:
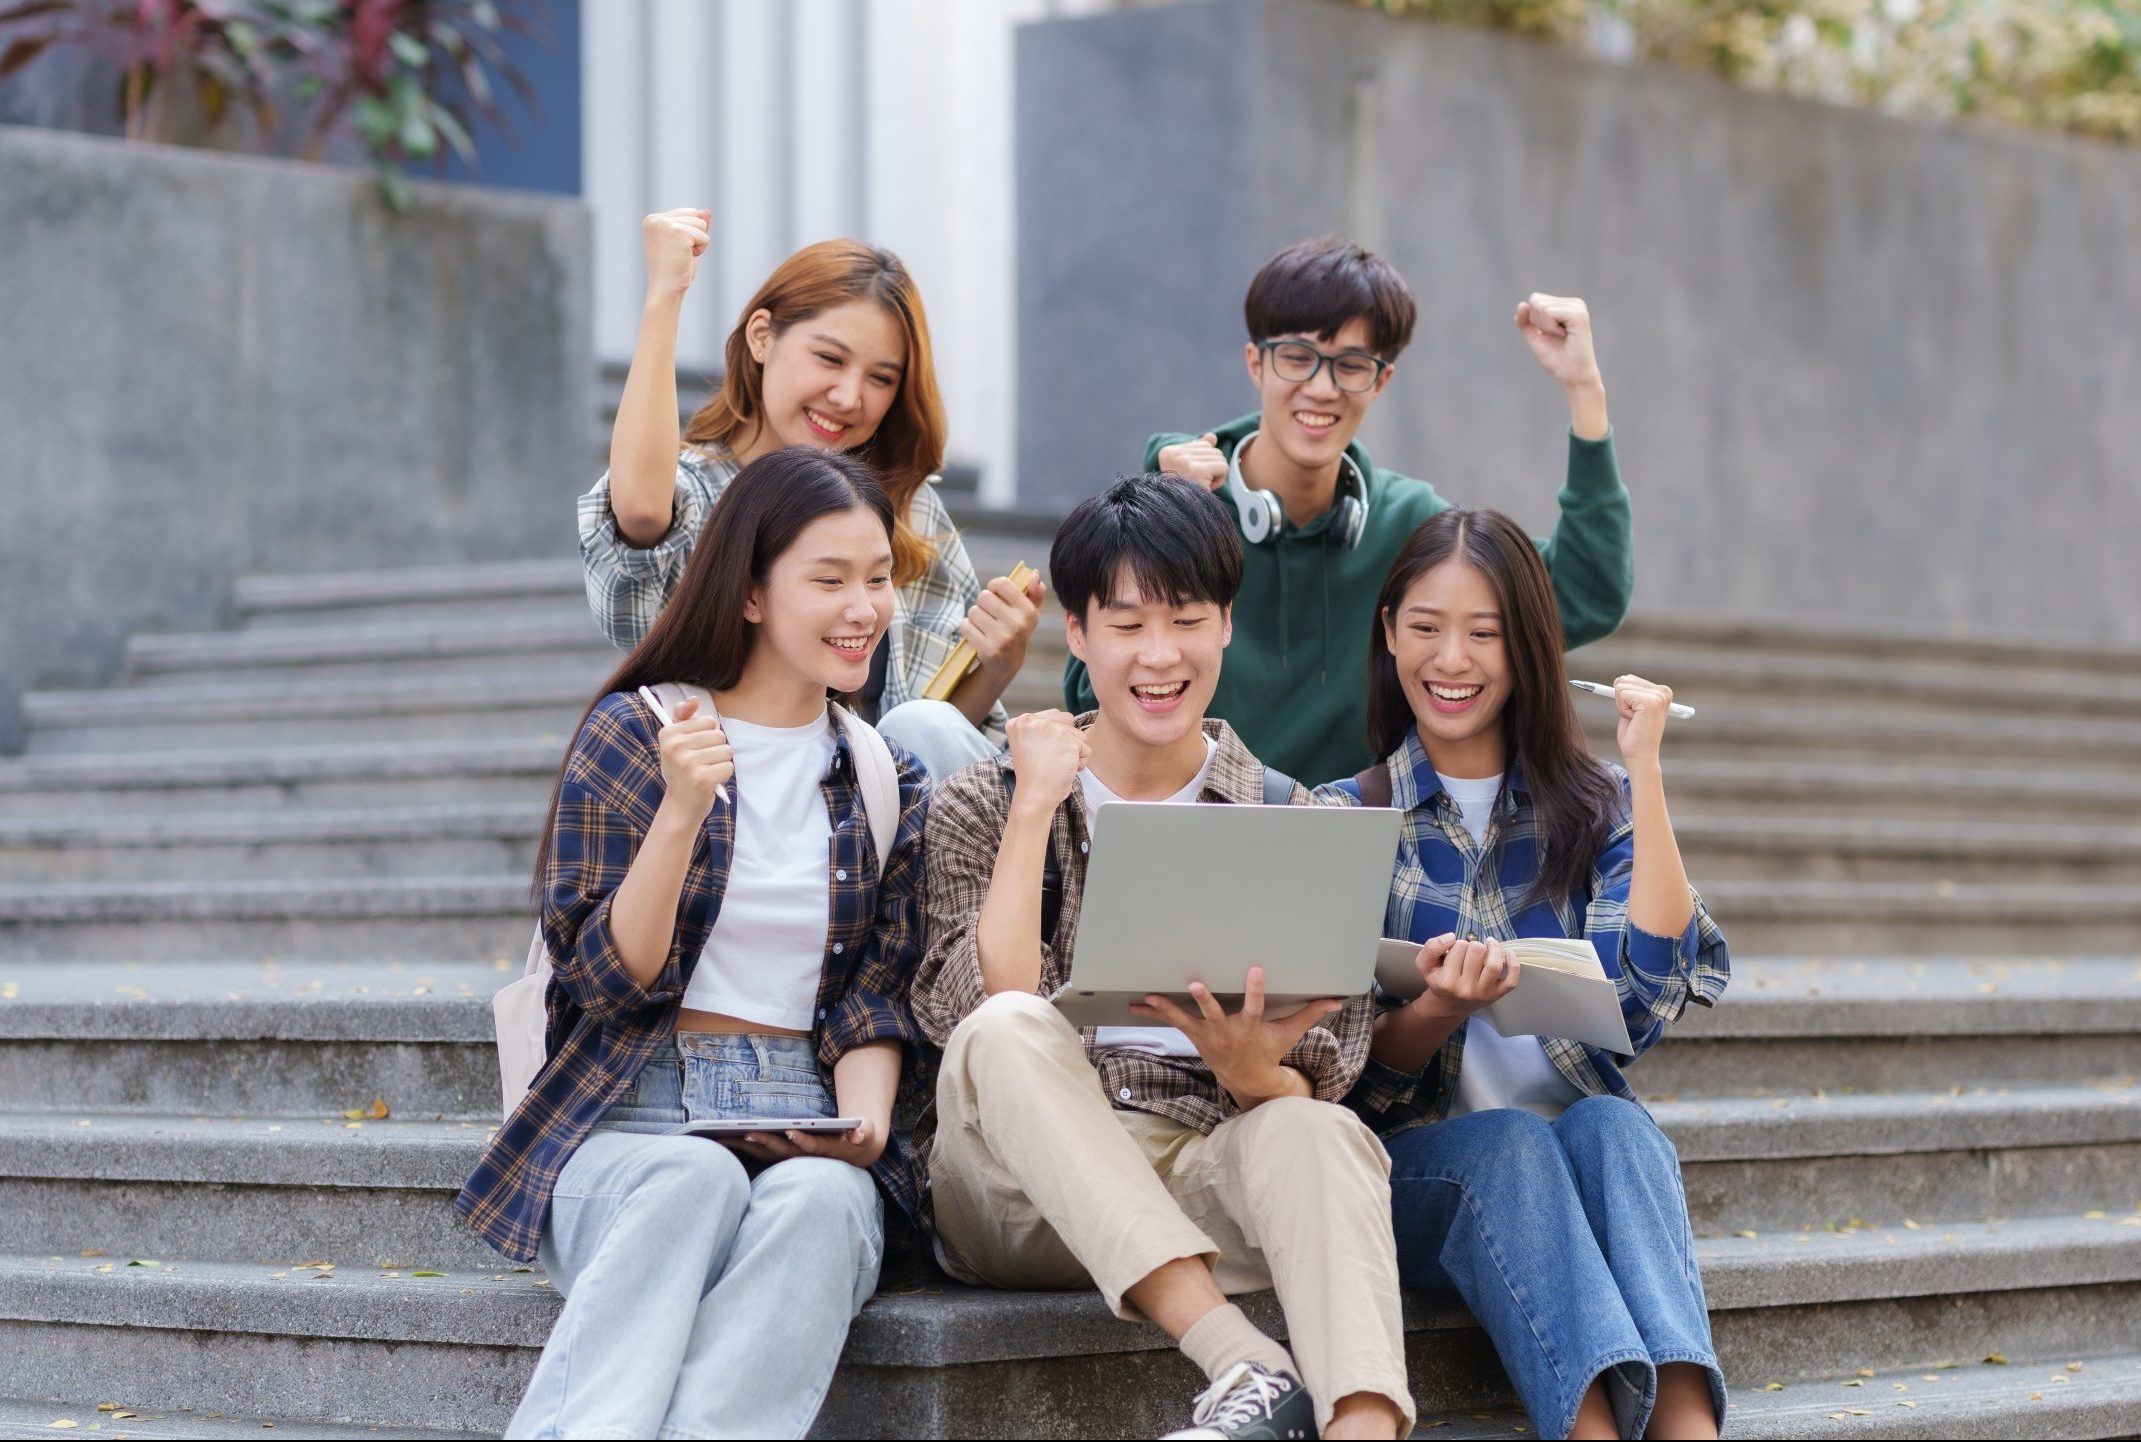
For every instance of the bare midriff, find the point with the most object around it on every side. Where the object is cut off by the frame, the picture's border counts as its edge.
(714, 1021)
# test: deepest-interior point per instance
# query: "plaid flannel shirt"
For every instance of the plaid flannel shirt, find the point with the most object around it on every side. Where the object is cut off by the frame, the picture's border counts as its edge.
(628, 585)
(1440, 885)
(966, 824)
(603, 1025)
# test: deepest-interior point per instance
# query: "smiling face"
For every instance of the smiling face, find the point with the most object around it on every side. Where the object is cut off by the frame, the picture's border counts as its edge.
(1446, 636)
(826, 602)
(1153, 665)
(829, 378)
(1312, 422)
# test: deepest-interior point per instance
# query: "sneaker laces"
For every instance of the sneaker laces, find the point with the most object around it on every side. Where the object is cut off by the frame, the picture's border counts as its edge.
(1245, 1393)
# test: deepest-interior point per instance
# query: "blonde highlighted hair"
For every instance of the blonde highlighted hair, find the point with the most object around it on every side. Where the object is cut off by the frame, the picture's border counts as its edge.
(908, 446)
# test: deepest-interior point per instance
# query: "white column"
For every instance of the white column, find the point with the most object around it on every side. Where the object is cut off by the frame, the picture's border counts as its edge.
(682, 138)
(758, 153)
(612, 164)
(828, 73)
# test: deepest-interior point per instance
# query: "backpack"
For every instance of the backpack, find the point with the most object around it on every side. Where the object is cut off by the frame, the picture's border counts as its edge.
(521, 1011)
(1278, 791)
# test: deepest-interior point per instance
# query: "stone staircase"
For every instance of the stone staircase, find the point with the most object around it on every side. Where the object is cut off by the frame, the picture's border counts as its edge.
(274, 876)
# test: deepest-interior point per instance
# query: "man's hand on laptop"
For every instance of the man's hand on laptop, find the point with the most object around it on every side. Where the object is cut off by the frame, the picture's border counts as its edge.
(1047, 753)
(1244, 1050)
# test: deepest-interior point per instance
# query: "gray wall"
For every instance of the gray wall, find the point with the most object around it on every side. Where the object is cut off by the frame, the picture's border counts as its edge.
(1859, 367)
(211, 366)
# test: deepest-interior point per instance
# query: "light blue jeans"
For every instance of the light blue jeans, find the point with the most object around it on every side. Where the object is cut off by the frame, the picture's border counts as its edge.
(939, 736)
(701, 1300)
(1569, 1241)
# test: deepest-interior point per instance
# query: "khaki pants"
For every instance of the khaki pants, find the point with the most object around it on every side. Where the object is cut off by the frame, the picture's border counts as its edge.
(1038, 1182)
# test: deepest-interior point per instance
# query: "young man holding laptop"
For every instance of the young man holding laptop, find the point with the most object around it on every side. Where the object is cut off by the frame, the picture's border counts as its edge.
(1172, 1164)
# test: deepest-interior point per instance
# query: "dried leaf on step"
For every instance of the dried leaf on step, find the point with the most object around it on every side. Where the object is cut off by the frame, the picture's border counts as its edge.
(1995, 1359)
(427, 1274)
(1772, 1386)
(1865, 1371)
(377, 1111)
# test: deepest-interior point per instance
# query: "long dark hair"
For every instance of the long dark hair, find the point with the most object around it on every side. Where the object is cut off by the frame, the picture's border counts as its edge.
(1575, 794)
(701, 637)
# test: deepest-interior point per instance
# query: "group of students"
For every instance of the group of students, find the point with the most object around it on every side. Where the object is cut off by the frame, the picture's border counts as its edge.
(740, 929)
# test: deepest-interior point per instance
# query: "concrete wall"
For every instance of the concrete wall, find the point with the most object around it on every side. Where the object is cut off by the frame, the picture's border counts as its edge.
(1859, 367)
(212, 366)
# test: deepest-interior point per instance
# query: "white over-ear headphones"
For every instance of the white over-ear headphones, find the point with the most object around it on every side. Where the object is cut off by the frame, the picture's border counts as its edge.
(1262, 518)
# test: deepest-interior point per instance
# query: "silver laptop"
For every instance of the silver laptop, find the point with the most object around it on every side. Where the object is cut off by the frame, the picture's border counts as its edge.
(1178, 892)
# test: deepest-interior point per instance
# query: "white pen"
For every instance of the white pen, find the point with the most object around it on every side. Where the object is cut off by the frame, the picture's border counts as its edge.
(1675, 710)
(654, 704)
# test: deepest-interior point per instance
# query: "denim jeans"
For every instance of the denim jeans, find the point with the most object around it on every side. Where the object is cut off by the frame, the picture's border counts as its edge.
(1569, 1241)
(938, 735)
(701, 1300)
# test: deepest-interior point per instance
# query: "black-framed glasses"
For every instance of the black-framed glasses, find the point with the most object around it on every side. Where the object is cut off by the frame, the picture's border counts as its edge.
(1297, 361)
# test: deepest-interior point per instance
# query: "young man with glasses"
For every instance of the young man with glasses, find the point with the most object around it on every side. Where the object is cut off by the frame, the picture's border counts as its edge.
(1327, 321)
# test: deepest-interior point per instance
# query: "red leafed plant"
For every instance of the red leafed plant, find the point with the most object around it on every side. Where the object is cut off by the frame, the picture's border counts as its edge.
(405, 77)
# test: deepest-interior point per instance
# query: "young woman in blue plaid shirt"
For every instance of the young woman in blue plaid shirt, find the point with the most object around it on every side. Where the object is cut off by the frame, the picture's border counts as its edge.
(1524, 1174)
(833, 352)
(727, 944)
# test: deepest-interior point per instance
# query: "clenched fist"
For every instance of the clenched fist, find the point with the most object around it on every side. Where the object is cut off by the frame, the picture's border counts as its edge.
(1641, 730)
(674, 241)
(697, 761)
(1558, 330)
(1199, 460)
(1047, 753)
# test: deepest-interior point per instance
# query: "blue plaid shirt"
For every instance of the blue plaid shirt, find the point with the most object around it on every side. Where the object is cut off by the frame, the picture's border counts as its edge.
(1440, 884)
(604, 1026)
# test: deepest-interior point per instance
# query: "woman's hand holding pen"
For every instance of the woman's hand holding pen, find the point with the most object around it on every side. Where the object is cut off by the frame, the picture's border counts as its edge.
(697, 761)
(1644, 708)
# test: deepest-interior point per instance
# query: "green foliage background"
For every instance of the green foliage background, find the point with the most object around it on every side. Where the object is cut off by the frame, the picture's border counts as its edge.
(2072, 65)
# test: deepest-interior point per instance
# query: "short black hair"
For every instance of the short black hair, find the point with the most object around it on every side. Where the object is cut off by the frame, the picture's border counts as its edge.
(1172, 537)
(1313, 287)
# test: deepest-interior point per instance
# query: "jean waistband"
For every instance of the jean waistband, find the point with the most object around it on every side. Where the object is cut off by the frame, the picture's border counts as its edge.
(756, 1049)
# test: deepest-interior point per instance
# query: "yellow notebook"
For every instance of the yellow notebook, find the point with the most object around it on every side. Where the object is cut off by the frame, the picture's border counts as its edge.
(962, 661)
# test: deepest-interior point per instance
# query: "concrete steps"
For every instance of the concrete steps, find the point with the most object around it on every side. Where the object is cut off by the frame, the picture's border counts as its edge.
(366, 1191)
(224, 1330)
(412, 917)
(473, 838)
(1909, 1137)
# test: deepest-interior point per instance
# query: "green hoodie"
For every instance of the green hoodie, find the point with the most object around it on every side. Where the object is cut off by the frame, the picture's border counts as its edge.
(1295, 683)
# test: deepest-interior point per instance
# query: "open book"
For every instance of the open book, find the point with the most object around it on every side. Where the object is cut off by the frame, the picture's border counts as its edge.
(1562, 990)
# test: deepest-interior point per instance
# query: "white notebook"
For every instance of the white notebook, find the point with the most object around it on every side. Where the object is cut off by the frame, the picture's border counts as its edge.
(1562, 990)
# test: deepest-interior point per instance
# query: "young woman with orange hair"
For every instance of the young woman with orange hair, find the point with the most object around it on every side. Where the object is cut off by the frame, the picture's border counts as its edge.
(833, 351)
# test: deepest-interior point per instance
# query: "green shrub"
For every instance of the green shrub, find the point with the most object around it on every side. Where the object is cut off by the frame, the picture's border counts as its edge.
(2071, 65)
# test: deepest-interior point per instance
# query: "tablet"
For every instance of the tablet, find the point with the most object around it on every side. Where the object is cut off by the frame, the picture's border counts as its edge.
(737, 1128)
(1177, 892)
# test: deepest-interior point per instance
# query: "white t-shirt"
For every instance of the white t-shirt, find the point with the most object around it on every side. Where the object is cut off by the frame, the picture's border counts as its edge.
(763, 958)
(1501, 1071)
(1159, 1040)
